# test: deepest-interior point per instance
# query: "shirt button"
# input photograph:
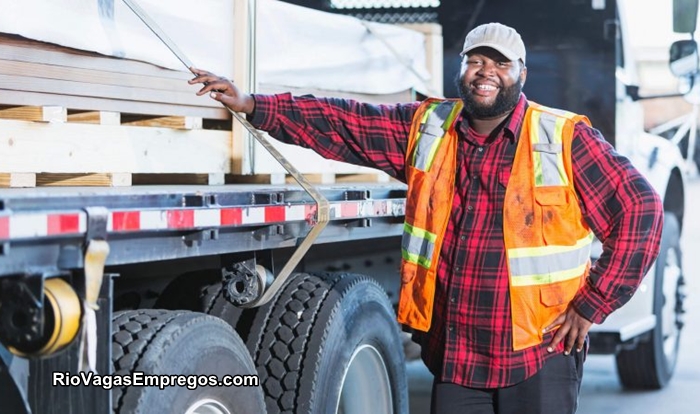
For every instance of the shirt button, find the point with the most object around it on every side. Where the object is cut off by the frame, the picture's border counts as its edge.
(470, 208)
(457, 268)
(450, 328)
(480, 149)
(463, 237)
(453, 299)
(475, 177)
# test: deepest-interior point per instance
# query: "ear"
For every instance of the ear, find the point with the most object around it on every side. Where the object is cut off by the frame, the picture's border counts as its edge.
(523, 75)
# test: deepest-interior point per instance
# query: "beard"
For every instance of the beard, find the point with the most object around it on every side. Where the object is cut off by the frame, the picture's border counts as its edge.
(505, 101)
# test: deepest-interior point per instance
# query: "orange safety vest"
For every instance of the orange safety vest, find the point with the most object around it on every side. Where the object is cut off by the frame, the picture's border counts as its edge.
(546, 239)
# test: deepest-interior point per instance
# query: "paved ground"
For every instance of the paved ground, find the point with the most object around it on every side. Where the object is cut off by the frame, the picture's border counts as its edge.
(601, 391)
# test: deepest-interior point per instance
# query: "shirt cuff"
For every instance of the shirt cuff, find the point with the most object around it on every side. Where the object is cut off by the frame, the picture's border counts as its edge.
(589, 304)
(265, 106)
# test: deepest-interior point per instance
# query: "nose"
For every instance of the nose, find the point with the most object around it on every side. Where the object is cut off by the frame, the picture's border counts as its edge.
(488, 68)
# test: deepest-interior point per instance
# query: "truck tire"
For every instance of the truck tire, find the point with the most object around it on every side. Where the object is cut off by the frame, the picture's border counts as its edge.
(326, 343)
(180, 343)
(651, 363)
(193, 291)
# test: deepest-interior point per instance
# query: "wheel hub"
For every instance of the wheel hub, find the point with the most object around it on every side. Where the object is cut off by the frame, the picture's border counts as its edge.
(672, 312)
(208, 406)
(366, 387)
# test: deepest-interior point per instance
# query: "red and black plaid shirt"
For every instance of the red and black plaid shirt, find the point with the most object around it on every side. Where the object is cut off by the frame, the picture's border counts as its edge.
(470, 340)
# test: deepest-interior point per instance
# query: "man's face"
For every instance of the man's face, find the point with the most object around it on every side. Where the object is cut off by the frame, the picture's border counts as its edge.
(489, 83)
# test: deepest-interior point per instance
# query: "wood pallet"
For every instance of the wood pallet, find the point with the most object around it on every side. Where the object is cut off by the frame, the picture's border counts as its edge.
(325, 178)
(55, 146)
(76, 118)
(110, 122)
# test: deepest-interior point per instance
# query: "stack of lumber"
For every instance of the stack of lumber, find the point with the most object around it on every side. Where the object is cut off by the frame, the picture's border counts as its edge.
(75, 118)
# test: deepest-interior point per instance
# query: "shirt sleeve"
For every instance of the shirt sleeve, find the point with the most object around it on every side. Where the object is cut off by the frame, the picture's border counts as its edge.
(370, 135)
(626, 215)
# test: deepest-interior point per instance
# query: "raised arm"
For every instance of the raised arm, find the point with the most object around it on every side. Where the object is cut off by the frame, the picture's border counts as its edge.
(339, 129)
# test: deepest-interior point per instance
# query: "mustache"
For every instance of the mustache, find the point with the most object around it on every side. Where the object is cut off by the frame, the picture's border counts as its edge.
(506, 100)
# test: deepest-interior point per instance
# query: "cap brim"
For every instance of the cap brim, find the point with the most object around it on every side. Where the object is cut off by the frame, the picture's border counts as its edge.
(504, 51)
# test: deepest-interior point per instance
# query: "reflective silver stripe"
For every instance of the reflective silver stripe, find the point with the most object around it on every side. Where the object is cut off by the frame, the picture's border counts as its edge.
(431, 133)
(415, 248)
(551, 263)
(550, 148)
(532, 266)
(430, 129)
(545, 143)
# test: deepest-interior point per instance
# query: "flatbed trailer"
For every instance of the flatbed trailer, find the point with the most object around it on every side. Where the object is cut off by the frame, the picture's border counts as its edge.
(163, 238)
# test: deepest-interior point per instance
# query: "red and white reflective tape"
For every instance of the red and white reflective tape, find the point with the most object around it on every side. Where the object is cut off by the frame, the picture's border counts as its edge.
(32, 225)
(23, 226)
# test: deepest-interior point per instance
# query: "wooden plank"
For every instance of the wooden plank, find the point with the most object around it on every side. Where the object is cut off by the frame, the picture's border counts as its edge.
(16, 180)
(184, 179)
(25, 50)
(175, 122)
(244, 77)
(27, 98)
(34, 113)
(255, 179)
(304, 159)
(320, 178)
(92, 180)
(64, 87)
(95, 117)
(331, 178)
(91, 76)
(379, 177)
(28, 147)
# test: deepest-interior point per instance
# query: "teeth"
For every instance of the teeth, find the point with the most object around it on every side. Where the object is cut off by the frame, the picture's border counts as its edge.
(486, 87)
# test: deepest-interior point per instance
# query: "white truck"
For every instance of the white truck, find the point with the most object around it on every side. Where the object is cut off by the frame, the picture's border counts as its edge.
(162, 282)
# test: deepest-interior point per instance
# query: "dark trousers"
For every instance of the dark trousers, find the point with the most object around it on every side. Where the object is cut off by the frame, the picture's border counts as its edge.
(553, 390)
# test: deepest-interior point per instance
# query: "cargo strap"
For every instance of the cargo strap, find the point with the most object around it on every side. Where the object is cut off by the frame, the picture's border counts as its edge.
(96, 252)
(322, 206)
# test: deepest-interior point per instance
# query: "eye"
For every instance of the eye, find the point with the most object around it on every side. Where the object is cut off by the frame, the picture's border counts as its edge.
(503, 64)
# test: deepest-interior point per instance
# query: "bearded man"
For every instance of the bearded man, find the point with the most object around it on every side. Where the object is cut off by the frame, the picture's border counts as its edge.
(504, 199)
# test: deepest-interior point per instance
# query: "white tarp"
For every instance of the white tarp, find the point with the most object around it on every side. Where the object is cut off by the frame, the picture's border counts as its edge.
(316, 49)
(295, 46)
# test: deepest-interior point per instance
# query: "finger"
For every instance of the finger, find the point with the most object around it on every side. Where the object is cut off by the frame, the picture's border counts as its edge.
(560, 320)
(201, 72)
(581, 342)
(571, 338)
(218, 86)
(204, 78)
(558, 337)
(224, 99)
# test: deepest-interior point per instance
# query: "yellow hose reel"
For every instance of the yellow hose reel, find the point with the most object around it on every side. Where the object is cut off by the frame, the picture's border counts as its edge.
(62, 315)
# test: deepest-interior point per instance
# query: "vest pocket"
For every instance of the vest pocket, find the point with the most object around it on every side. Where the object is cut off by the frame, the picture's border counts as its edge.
(558, 223)
(556, 294)
(556, 297)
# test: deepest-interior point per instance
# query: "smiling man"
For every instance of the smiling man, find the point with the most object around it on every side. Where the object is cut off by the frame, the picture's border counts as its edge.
(504, 198)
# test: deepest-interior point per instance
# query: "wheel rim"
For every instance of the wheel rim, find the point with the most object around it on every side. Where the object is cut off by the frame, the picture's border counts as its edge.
(208, 406)
(366, 387)
(672, 307)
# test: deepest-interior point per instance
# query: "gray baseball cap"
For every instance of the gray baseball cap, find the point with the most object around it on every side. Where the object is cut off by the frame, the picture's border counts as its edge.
(496, 36)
